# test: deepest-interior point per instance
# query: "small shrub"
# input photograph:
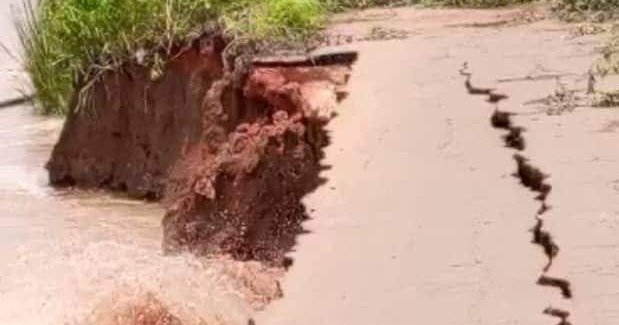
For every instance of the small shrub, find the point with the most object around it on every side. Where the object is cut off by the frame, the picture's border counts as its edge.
(593, 10)
(606, 99)
(609, 61)
(608, 64)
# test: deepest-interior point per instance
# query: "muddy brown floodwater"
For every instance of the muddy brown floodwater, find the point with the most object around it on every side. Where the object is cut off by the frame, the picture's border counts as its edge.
(76, 258)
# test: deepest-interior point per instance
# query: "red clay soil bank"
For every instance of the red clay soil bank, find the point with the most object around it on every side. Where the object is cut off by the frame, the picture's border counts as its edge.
(136, 128)
(229, 160)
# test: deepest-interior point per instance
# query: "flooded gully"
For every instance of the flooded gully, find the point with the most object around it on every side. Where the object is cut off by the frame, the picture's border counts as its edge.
(86, 257)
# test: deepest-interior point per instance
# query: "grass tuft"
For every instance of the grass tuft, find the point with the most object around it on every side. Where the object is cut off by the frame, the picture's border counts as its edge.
(273, 19)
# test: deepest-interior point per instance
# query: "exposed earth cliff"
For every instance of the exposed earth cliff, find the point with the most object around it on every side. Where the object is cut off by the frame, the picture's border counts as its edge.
(230, 160)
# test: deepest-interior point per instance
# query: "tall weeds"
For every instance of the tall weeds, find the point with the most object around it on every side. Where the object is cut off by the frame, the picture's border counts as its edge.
(68, 43)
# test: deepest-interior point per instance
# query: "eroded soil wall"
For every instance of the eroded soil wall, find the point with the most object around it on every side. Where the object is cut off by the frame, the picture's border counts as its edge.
(229, 160)
(135, 128)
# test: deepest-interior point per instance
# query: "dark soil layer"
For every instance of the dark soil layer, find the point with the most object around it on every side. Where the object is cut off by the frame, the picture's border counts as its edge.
(230, 161)
(136, 128)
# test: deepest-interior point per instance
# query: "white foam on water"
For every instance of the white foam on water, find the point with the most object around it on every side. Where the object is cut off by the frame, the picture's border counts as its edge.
(74, 285)
(73, 258)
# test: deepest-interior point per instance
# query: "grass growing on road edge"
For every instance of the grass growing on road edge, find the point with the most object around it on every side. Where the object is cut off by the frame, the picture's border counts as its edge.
(609, 63)
(69, 40)
(591, 10)
(606, 65)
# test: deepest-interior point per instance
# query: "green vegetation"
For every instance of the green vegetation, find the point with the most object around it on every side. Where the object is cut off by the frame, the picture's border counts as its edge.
(593, 10)
(609, 63)
(596, 11)
(264, 19)
(71, 42)
(606, 99)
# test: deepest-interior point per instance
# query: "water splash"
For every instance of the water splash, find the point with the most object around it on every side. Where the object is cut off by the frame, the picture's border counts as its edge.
(86, 258)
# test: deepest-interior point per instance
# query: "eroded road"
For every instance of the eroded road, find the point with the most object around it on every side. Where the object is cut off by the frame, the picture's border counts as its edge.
(423, 221)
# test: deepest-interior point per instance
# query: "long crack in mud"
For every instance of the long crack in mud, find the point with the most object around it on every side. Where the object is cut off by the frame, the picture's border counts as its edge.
(532, 178)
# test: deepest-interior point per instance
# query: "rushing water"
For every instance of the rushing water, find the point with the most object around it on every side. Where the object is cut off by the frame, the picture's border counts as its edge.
(70, 256)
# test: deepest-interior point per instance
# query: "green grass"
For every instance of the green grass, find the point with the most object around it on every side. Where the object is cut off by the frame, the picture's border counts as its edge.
(272, 19)
(68, 43)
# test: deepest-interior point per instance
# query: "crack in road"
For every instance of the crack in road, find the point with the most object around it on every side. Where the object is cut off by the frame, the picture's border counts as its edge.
(532, 178)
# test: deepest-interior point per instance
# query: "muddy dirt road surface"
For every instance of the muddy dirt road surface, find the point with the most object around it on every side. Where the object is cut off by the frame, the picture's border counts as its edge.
(422, 220)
